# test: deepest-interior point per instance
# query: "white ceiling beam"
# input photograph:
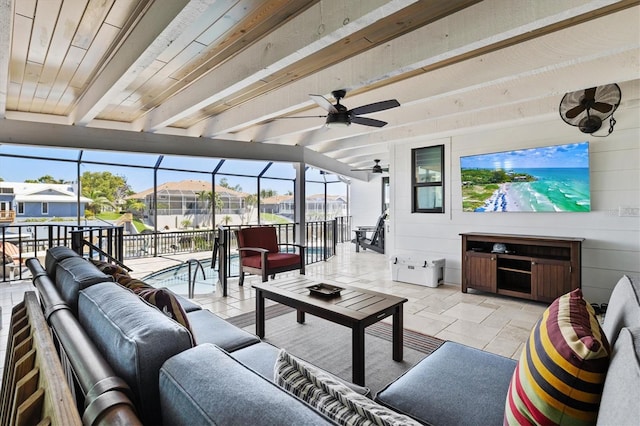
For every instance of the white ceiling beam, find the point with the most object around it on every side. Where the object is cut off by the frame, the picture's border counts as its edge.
(317, 27)
(162, 23)
(486, 23)
(65, 136)
(6, 29)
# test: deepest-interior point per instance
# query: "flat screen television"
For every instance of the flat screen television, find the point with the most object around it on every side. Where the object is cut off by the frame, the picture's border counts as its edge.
(548, 179)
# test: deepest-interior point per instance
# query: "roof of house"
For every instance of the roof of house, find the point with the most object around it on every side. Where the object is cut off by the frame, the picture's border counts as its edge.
(188, 185)
(25, 192)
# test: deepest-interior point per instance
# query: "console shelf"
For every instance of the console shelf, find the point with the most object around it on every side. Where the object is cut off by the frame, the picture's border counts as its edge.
(533, 267)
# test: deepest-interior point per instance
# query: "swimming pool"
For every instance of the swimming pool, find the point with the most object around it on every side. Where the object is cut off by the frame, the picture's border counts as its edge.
(176, 278)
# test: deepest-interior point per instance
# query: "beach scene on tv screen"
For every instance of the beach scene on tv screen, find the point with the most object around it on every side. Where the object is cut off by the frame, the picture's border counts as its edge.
(548, 179)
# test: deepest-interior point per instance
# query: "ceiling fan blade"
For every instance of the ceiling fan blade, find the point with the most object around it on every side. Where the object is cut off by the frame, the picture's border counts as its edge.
(323, 102)
(375, 107)
(590, 94)
(368, 121)
(573, 112)
(602, 107)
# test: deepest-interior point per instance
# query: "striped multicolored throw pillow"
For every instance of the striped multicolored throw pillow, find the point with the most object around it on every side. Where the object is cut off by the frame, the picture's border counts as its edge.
(332, 398)
(561, 372)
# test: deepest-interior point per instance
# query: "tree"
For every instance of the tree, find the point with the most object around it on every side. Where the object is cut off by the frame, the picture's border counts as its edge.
(105, 184)
(98, 202)
(250, 202)
(266, 193)
(212, 200)
(225, 184)
(45, 179)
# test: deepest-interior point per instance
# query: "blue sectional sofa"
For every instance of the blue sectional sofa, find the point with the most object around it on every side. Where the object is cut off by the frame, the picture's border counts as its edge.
(215, 373)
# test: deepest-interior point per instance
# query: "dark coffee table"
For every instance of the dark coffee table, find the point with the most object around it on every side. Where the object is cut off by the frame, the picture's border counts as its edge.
(355, 308)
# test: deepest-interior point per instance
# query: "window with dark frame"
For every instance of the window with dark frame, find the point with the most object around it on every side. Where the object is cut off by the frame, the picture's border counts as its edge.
(385, 194)
(427, 179)
(45, 207)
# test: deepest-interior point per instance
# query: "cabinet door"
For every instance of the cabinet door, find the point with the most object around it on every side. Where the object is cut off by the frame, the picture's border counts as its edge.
(480, 271)
(550, 279)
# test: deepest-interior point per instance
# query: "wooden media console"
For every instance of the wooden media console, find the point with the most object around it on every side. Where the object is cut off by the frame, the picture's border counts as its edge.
(532, 267)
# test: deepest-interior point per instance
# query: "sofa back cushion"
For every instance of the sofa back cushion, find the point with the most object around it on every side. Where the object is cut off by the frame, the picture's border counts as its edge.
(623, 309)
(55, 255)
(74, 274)
(134, 337)
(619, 404)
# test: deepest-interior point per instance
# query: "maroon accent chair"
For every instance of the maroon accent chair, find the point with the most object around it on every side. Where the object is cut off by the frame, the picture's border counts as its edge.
(260, 253)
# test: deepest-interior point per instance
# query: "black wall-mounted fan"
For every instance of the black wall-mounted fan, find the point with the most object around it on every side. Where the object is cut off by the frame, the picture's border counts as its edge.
(377, 168)
(587, 109)
(339, 115)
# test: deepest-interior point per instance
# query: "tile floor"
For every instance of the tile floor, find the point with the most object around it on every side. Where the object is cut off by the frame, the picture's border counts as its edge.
(490, 322)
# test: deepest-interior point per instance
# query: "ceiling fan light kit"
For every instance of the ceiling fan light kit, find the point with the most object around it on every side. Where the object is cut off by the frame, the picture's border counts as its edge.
(587, 109)
(339, 116)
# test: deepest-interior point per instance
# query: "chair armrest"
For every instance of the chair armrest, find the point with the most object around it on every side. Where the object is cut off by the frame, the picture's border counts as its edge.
(292, 244)
(256, 249)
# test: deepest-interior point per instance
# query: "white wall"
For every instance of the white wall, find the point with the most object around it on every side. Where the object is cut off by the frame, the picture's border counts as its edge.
(612, 243)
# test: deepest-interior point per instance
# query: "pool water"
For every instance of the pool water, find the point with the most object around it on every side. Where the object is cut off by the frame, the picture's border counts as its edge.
(176, 278)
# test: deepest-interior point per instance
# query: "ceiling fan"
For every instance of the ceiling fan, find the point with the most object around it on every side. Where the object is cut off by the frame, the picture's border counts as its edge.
(377, 168)
(586, 109)
(338, 115)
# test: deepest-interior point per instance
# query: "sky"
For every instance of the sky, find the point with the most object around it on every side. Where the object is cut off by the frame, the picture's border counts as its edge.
(139, 179)
(558, 156)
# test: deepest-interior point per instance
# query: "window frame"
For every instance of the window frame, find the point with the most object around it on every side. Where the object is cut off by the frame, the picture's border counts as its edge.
(415, 185)
(44, 208)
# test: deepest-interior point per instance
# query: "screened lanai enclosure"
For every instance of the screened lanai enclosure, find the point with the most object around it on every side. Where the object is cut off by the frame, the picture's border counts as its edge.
(201, 191)
(165, 204)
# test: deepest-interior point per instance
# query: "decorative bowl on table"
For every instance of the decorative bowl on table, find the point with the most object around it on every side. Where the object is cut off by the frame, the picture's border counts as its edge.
(325, 290)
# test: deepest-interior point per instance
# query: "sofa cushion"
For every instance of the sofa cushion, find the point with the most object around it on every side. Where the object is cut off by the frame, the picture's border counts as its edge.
(623, 309)
(458, 385)
(187, 304)
(207, 327)
(562, 367)
(74, 274)
(206, 386)
(330, 396)
(619, 404)
(134, 337)
(262, 356)
(167, 303)
(55, 255)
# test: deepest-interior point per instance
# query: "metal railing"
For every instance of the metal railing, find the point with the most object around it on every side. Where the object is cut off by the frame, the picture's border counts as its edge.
(33, 240)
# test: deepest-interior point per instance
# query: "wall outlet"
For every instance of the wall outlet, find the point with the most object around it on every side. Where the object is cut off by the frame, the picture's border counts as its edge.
(628, 211)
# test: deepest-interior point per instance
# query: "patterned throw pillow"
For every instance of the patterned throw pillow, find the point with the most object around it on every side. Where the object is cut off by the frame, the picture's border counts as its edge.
(109, 268)
(167, 303)
(332, 398)
(131, 283)
(560, 374)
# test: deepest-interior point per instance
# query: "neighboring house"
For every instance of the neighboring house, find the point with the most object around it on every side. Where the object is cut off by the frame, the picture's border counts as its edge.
(283, 205)
(40, 200)
(179, 201)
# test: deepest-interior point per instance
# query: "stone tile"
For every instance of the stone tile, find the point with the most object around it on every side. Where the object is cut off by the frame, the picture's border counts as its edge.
(468, 312)
(473, 330)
